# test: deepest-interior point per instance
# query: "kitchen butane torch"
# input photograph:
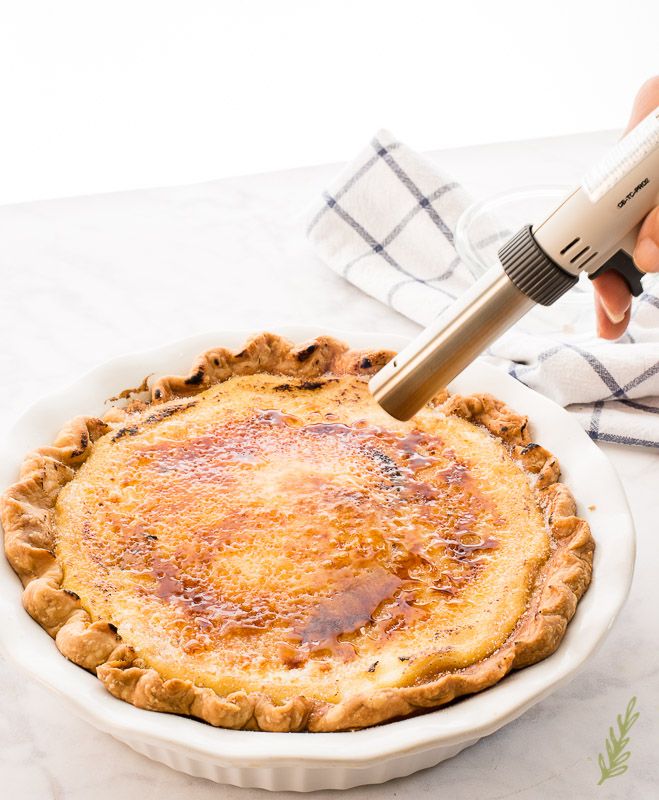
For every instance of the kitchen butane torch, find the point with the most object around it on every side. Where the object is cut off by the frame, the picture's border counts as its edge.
(592, 230)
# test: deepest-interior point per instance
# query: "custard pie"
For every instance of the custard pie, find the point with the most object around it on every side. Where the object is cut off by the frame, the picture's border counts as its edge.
(260, 546)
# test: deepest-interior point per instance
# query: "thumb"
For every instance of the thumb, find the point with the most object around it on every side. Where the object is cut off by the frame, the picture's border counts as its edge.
(645, 101)
(646, 252)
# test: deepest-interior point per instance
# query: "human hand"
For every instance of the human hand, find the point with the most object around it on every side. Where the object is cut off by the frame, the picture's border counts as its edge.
(612, 296)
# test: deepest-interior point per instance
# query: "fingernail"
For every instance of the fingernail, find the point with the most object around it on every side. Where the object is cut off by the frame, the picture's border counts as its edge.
(613, 317)
(646, 255)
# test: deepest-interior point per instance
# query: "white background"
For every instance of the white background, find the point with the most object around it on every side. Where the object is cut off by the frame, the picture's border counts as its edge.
(100, 96)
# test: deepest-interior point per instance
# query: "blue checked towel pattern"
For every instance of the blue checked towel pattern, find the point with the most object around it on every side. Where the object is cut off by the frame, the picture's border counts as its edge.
(387, 224)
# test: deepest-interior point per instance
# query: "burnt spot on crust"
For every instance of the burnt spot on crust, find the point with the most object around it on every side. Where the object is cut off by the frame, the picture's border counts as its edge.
(152, 419)
(390, 468)
(84, 441)
(157, 394)
(304, 355)
(131, 430)
(311, 385)
(112, 627)
(307, 385)
(365, 363)
(71, 594)
(196, 379)
(163, 413)
(529, 447)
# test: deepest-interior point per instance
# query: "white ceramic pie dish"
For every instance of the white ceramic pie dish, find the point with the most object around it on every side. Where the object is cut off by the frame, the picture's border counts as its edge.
(302, 761)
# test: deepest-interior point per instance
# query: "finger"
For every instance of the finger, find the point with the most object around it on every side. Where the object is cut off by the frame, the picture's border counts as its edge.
(612, 305)
(646, 252)
(605, 328)
(646, 100)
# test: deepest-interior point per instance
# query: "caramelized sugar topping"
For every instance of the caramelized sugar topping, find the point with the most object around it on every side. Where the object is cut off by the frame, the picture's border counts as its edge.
(300, 531)
(353, 548)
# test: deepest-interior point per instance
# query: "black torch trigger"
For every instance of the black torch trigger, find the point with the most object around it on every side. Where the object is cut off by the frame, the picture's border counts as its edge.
(622, 263)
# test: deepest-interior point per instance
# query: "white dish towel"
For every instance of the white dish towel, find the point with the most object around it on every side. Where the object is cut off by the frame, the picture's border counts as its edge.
(387, 225)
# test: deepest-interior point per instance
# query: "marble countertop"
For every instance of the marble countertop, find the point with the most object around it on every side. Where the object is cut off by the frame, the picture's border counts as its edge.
(88, 278)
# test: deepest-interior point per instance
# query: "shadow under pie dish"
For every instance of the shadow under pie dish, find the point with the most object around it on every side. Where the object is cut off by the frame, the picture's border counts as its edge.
(260, 546)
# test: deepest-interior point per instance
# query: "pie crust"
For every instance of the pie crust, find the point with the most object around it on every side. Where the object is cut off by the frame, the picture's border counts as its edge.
(27, 513)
